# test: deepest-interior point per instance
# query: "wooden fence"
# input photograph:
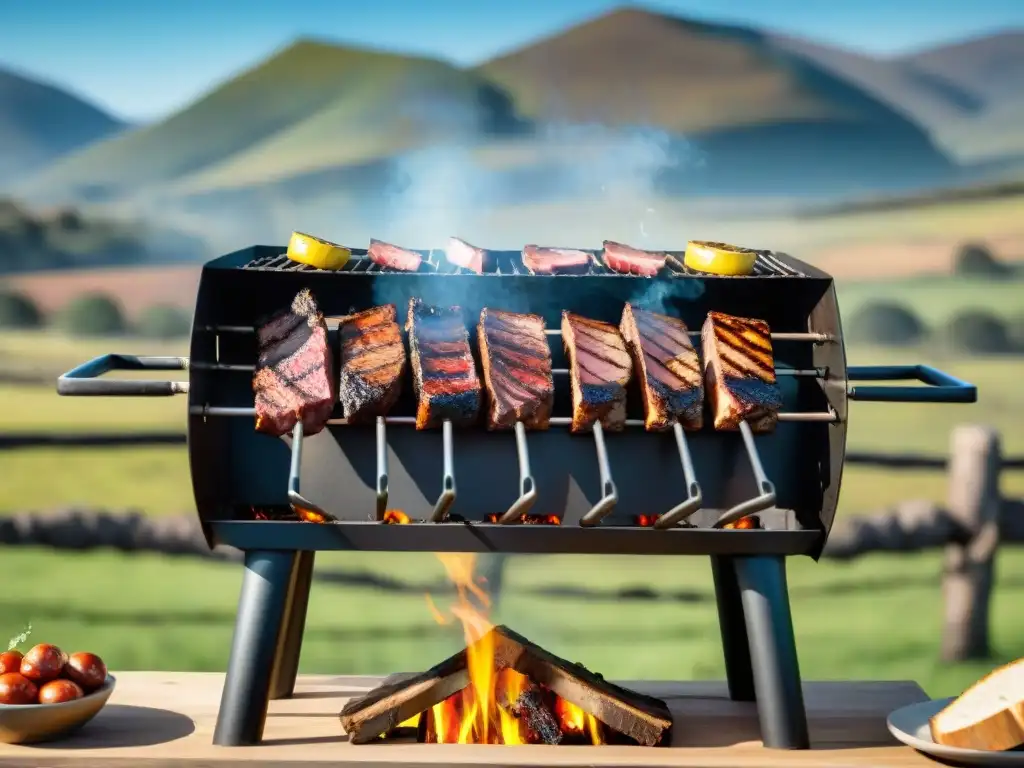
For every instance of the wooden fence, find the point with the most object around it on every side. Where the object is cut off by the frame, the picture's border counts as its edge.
(969, 526)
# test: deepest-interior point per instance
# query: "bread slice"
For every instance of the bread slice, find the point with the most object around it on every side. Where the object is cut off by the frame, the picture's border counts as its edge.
(987, 716)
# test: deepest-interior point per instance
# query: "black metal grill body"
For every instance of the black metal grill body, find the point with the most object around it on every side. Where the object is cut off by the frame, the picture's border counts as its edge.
(236, 470)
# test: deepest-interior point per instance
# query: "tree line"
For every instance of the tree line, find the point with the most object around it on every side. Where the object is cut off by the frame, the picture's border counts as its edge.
(93, 314)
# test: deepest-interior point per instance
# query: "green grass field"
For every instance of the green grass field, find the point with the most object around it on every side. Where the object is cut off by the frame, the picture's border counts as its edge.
(147, 611)
(935, 299)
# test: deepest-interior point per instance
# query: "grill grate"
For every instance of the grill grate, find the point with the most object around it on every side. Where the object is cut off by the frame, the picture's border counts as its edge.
(504, 263)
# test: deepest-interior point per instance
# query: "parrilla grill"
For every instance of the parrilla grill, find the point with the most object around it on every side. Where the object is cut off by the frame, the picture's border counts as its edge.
(675, 491)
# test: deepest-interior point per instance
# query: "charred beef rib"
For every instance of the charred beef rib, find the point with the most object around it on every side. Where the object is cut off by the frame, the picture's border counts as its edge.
(739, 372)
(294, 376)
(372, 363)
(632, 261)
(599, 368)
(443, 370)
(668, 368)
(555, 261)
(516, 362)
(391, 256)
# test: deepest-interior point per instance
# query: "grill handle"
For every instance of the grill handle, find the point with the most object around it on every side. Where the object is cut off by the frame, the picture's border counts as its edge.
(84, 380)
(943, 388)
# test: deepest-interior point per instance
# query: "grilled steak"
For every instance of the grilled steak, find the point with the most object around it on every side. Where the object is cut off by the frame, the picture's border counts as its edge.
(668, 366)
(372, 363)
(462, 254)
(599, 369)
(517, 369)
(393, 257)
(739, 372)
(555, 261)
(443, 370)
(294, 376)
(632, 261)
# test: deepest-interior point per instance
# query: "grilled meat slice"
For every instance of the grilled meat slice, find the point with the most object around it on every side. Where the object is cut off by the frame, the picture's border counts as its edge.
(517, 369)
(443, 369)
(632, 261)
(393, 257)
(462, 254)
(668, 366)
(294, 376)
(555, 261)
(599, 369)
(739, 372)
(372, 363)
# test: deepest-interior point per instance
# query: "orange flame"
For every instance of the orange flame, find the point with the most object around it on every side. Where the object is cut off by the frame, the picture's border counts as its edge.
(744, 524)
(646, 521)
(481, 712)
(308, 515)
(529, 519)
(395, 517)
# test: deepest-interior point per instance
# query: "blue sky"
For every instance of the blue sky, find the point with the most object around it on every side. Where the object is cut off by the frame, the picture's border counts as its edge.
(141, 59)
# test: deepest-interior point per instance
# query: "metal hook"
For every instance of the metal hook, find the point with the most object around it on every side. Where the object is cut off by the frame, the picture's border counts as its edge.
(382, 467)
(694, 497)
(527, 488)
(447, 497)
(295, 498)
(766, 498)
(611, 496)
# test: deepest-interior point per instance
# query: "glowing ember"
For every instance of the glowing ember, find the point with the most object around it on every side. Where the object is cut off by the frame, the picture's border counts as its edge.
(258, 515)
(530, 519)
(489, 710)
(744, 524)
(395, 517)
(646, 521)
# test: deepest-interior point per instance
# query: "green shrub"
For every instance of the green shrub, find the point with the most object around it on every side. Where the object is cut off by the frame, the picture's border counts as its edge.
(978, 332)
(94, 314)
(163, 321)
(1015, 330)
(975, 260)
(18, 311)
(885, 323)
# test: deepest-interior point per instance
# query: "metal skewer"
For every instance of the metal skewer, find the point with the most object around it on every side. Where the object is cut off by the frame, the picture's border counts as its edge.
(527, 488)
(611, 496)
(447, 497)
(382, 467)
(765, 487)
(694, 497)
(295, 497)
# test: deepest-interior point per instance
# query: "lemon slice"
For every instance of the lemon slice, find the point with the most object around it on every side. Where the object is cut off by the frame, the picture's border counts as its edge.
(719, 258)
(318, 253)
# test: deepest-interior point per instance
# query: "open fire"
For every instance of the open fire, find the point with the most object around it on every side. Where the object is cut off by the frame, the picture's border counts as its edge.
(501, 689)
(500, 705)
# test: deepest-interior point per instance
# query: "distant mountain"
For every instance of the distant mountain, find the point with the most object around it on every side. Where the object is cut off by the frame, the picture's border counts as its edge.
(40, 122)
(759, 109)
(309, 106)
(968, 96)
(692, 108)
(991, 66)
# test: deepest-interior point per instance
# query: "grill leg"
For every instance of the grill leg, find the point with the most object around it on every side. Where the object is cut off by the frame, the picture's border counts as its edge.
(261, 612)
(286, 664)
(738, 671)
(780, 703)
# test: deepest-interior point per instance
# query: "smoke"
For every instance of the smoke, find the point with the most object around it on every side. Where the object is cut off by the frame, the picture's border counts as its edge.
(560, 184)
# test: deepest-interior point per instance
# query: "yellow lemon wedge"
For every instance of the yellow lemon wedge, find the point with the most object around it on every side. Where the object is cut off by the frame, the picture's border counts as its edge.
(318, 253)
(719, 258)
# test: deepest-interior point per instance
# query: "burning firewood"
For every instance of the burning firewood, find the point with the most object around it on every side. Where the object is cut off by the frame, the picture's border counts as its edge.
(532, 708)
(643, 719)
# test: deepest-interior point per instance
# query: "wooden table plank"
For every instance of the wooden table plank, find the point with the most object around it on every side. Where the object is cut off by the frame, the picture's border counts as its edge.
(167, 719)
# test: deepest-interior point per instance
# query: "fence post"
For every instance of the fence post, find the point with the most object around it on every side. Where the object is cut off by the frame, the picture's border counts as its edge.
(973, 503)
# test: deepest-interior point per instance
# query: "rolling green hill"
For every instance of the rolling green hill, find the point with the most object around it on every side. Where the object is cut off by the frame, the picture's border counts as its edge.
(40, 122)
(333, 91)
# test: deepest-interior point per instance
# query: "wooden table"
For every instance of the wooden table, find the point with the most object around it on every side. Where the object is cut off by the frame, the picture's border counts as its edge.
(167, 719)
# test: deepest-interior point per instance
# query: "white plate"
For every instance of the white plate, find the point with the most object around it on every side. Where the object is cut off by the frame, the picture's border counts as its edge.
(910, 725)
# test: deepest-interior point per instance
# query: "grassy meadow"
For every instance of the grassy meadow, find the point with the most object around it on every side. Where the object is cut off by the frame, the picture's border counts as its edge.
(148, 611)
